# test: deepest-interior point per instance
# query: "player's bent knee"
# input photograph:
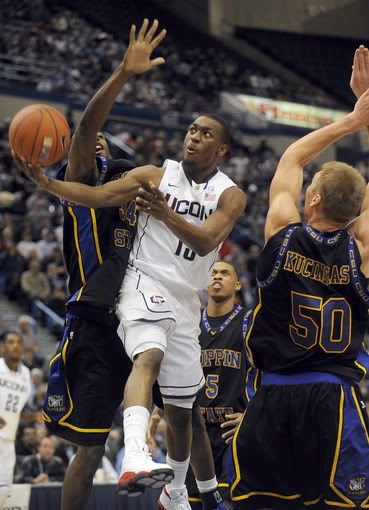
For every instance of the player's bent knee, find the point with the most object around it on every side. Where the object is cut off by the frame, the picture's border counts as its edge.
(140, 337)
(149, 361)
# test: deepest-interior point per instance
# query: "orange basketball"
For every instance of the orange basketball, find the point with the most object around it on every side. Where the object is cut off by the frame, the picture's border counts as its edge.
(39, 134)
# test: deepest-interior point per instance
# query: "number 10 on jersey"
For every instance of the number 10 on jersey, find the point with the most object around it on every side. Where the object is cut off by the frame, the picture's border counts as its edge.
(186, 253)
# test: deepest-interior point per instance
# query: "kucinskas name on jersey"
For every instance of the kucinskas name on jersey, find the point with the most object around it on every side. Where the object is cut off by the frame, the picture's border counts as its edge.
(316, 270)
(13, 386)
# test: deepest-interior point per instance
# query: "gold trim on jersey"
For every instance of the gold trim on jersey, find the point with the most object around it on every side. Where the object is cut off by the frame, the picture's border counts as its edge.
(359, 412)
(96, 236)
(254, 314)
(313, 502)
(76, 240)
(62, 421)
(347, 502)
(54, 358)
(361, 367)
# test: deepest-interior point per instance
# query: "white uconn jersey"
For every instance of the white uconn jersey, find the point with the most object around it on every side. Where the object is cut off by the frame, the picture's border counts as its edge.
(15, 389)
(158, 252)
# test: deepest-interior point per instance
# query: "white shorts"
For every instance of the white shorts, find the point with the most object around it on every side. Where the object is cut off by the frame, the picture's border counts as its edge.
(7, 463)
(151, 317)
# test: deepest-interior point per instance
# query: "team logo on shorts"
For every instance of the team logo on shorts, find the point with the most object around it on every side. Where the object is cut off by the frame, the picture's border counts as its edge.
(56, 402)
(358, 486)
(157, 300)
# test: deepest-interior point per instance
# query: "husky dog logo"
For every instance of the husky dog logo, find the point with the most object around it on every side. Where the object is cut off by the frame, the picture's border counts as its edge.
(157, 300)
(56, 402)
(358, 486)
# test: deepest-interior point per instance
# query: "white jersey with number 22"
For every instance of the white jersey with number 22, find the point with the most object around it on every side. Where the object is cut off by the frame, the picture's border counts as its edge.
(15, 389)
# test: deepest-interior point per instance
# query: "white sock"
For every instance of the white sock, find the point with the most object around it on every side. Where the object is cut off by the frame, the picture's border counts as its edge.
(180, 470)
(135, 423)
(207, 485)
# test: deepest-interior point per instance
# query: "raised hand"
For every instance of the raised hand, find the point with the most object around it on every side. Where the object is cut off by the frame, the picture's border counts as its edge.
(359, 81)
(35, 174)
(361, 110)
(137, 59)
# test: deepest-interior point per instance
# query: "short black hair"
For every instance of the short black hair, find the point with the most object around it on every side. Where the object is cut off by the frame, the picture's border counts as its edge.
(226, 136)
(229, 264)
(11, 332)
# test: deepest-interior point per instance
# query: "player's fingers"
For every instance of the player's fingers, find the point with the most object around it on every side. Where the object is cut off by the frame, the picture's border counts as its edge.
(157, 62)
(142, 32)
(155, 191)
(366, 60)
(146, 195)
(151, 31)
(132, 34)
(229, 433)
(155, 42)
(141, 202)
(232, 416)
(361, 60)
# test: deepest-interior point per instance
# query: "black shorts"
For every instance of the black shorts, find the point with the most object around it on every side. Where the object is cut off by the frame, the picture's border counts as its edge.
(86, 383)
(301, 444)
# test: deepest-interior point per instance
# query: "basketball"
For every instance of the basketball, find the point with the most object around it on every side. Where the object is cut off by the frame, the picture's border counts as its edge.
(40, 134)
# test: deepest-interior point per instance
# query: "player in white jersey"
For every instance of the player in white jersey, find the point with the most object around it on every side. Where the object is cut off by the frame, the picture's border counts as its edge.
(15, 389)
(159, 307)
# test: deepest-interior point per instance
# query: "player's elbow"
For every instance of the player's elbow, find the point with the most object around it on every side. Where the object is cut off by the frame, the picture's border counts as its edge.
(206, 247)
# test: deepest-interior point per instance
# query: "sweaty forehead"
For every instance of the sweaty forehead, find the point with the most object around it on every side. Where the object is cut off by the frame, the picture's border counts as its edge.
(223, 266)
(205, 122)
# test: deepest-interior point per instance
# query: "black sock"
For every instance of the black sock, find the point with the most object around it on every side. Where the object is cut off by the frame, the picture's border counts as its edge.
(211, 500)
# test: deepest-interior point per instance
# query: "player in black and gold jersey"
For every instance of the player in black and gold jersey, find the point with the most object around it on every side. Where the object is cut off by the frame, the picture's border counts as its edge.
(230, 380)
(88, 373)
(304, 438)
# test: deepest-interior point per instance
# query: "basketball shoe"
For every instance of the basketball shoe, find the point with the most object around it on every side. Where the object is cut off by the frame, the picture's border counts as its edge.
(139, 472)
(177, 499)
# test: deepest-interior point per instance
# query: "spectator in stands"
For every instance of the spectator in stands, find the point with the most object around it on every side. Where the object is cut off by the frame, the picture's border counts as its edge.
(11, 266)
(57, 300)
(47, 243)
(38, 390)
(26, 246)
(32, 359)
(27, 328)
(42, 467)
(34, 283)
(27, 443)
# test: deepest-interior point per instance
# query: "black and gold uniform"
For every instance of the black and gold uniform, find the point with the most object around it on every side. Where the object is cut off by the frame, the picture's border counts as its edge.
(89, 370)
(225, 367)
(304, 441)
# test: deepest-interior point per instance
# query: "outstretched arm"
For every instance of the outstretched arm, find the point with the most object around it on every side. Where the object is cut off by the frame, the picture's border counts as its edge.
(211, 233)
(137, 60)
(111, 194)
(286, 186)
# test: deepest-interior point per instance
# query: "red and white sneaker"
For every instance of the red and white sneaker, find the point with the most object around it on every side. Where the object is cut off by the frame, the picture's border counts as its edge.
(139, 472)
(176, 499)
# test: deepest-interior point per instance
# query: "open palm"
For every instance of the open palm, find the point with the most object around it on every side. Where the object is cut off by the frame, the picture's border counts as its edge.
(137, 58)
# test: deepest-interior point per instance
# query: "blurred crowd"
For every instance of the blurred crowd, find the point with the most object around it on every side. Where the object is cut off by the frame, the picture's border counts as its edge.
(55, 50)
